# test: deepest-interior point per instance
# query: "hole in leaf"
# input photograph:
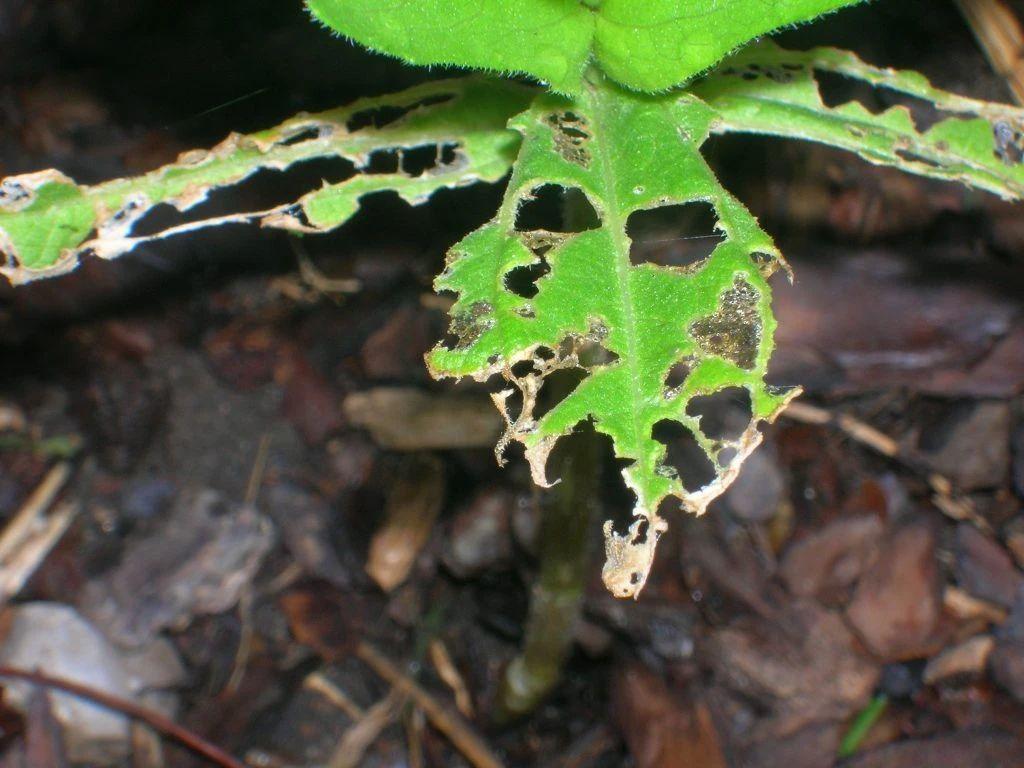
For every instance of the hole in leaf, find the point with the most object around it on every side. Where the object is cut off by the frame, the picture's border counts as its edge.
(264, 189)
(837, 89)
(571, 134)
(733, 331)
(684, 456)
(725, 414)
(552, 208)
(591, 352)
(383, 161)
(767, 264)
(307, 133)
(418, 160)
(522, 281)
(914, 157)
(466, 327)
(726, 456)
(677, 376)
(674, 235)
(524, 368)
(378, 117)
(922, 112)
(558, 385)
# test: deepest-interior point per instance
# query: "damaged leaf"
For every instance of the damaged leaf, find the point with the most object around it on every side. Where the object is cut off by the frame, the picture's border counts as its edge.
(648, 45)
(624, 327)
(766, 89)
(47, 221)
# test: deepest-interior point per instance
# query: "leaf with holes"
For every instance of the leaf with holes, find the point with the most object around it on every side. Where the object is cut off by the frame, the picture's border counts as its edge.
(47, 221)
(649, 45)
(765, 89)
(626, 328)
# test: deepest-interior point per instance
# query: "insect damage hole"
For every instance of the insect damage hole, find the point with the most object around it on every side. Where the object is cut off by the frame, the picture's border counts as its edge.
(725, 414)
(677, 375)
(674, 235)
(384, 115)
(684, 456)
(417, 161)
(733, 331)
(837, 89)
(558, 385)
(553, 208)
(571, 134)
(522, 281)
(468, 325)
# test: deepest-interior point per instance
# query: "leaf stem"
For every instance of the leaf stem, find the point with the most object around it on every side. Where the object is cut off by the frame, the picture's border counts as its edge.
(557, 598)
(862, 724)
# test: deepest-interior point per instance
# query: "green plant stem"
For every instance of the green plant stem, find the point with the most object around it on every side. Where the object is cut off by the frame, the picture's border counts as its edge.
(557, 597)
(862, 724)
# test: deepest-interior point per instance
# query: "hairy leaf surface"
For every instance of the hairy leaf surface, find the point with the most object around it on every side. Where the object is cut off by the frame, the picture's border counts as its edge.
(648, 45)
(624, 327)
(765, 89)
(47, 221)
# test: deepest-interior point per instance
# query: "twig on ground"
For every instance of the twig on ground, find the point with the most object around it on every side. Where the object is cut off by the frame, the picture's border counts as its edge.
(317, 682)
(966, 607)
(415, 722)
(316, 279)
(363, 732)
(945, 497)
(241, 663)
(1001, 37)
(259, 467)
(154, 720)
(443, 718)
(449, 673)
(586, 750)
(30, 535)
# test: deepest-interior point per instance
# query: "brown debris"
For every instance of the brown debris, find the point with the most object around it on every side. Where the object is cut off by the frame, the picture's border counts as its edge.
(1007, 661)
(964, 660)
(828, 562)
(981, 747)
(804, 666)
(480, 536)
(984, 568)
(321, 618)
(396, 349)
(971, 444)
(812, 746)
(896, 606)
(310, 403)
(412, 507)
(830, 345)
(310, 531)
(197, 562)
(407, 419)
(661, 731)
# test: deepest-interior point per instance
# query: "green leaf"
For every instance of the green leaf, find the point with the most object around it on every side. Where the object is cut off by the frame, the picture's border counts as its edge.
(548, 39)
(42, 215)
(768, 90)
(622, 325)
(652, 45)
(648, 45)
(47, 221)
